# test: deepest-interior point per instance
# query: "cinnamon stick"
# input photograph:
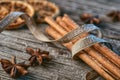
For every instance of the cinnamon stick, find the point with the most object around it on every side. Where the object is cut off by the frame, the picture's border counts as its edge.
(59, 29)
(107, 64)
(88, 60)
(61, 23)
(101, 48)
(102, 72)
(93, 64)
(106, 70)
(102, 60)
(55, 25)
(108, 53)
(56, 35)
(68, 27)
(72, 25)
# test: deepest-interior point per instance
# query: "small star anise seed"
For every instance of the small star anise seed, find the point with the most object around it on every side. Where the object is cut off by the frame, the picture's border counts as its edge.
(37, 56)
(115, 15)
(89, 19)
(13, 69)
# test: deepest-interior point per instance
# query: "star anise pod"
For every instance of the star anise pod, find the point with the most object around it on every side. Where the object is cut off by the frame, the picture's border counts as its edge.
(14, 69)
(115, 15)
(89, 18)
(37, 56)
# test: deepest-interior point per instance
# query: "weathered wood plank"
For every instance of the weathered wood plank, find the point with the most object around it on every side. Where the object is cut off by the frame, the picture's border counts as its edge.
(14, 47)
(62, 67)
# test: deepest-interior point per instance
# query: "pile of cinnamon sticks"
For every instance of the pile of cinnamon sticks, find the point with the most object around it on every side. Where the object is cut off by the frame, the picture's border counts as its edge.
(99, 57)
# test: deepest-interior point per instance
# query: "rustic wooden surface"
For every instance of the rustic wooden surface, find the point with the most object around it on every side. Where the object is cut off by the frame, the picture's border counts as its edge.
(62, 67)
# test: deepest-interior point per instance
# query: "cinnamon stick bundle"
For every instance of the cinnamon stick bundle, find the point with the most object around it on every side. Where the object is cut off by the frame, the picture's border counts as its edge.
(108, 53)
(101, 48)
(65, 26)
(86, 58)
(104, 61)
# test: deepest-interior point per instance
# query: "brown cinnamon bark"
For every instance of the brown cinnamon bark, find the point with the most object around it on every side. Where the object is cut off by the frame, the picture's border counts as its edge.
(92, 64)
(55, 25)
(106, 70)
(102, 60)
(86, 58)
(101, 48)
(72, 25)
(108, 53)
(56, 35)
(61, 23)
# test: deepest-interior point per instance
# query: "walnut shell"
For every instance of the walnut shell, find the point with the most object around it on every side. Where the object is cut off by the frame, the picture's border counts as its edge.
(9, 6)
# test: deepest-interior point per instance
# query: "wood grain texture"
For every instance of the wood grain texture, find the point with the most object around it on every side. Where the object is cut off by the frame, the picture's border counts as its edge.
(62, 67)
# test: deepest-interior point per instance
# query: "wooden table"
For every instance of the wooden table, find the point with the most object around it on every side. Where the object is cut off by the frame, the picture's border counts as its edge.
(62, 67)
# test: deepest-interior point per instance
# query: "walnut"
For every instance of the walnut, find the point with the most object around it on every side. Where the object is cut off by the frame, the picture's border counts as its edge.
(9, 6)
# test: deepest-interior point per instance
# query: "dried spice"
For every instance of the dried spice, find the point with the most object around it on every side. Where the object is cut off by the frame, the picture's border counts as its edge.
(43, 9)
(94, 56)
(115, 15)
(89, 18)
(37, 56)
(9, 6)
(14, 69)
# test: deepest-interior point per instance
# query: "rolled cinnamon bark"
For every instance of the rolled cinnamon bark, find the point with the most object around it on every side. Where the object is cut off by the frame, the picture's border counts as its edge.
(68, 27)
(108, 53)
(102, 60)
(107, 64)
(56, 35)
(101, 48)
(106, 70)
(93, 65)
(61, 23)
(69, 22)
(55, 25)
(86, 58)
